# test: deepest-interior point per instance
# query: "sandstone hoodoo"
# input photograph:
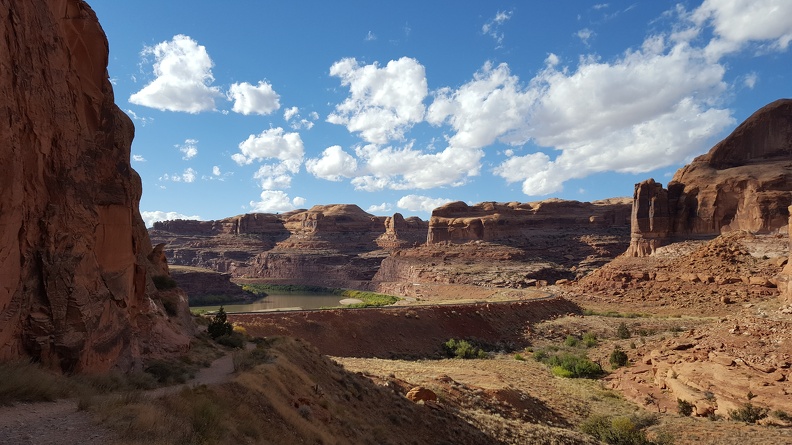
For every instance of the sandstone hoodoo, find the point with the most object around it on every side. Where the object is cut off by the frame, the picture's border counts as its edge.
(76, 289)
(743, 183)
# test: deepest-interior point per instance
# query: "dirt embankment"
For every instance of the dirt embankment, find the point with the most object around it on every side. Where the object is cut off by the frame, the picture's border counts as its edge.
(408, 332)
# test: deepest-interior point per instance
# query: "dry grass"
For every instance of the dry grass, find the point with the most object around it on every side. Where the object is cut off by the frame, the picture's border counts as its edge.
(27, 382)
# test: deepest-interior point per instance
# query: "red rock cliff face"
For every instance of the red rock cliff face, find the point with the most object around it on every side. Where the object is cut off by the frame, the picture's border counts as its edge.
(75, 287)
(743, 183)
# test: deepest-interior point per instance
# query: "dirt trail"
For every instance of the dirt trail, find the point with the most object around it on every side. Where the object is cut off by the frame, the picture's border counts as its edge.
(62, 423)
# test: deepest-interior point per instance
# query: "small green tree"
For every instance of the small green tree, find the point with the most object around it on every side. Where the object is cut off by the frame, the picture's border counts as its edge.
(618, 358)
(623, 331)
(220, 325)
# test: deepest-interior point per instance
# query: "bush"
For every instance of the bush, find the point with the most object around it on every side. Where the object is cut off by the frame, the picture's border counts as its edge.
(622, 331)
(571, 341)
(463, 349)
(589, 340)
(164, 282)
(684, 408)
(168, 372)
(244, 360)
(569, 365)
(22, 381)
(219, 325)
(232, 340)
(618, 358)
(748, 413)
(621, 430)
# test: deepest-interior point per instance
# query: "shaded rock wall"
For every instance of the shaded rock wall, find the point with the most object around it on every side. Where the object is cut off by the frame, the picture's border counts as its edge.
(743, 183)
(75, 282)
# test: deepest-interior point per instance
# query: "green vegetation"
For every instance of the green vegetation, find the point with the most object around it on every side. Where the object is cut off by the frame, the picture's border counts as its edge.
(214, 300)
(684, 408)
(618, 358)
(220, 325)
(571, 341)
(245, 360)
(164, 282)
(623, 331)
(569, 365)
(623, 430)
(589, 340)
(463, 349)
(370, 299)
(748, 413)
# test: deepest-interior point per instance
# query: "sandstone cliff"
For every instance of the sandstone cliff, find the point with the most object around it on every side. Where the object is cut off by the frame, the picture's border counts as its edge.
(331, 245)
(75, 282)
(743, 183)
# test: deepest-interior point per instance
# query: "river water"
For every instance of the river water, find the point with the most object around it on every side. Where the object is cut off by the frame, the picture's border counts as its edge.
(272, 301)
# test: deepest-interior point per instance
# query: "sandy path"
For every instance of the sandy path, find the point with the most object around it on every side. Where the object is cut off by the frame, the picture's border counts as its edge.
(61, 423)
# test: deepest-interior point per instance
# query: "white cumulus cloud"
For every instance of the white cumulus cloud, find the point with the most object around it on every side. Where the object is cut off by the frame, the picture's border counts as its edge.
(384, 102)
(151, 217)
(379, 209)
(272, 143)
(188, 176)
(418, 203)
(334, 164)
(183, 71)
(275, 201)
(249, 99)
(216, 170)
(737, 23)
(648, 109)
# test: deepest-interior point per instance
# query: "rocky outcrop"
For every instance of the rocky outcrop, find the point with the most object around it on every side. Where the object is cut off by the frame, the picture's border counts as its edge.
(516, 222)
(402, 233)
(784, 279)
(76, 292)
(743, 183)
(206, 287)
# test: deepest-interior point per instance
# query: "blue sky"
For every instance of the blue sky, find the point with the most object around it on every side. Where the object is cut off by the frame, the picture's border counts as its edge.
(268, 106)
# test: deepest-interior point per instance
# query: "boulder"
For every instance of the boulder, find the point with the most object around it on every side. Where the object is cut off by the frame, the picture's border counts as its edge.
(421, 394)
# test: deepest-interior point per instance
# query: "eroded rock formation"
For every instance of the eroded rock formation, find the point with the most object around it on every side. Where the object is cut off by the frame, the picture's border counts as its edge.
(743, 183)
(75, 282)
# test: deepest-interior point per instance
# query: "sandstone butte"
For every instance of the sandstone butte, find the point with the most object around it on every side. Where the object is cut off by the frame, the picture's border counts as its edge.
(742, 183)
(76, 262)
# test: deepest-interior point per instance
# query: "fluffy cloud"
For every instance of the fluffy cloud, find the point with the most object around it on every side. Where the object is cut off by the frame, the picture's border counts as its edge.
(274, 176)
(383, 103)
(381, 208)
(189, 148)
(183, 71)
(216, 170)
(272, 143)
(151, 217)
(409, 168)
(739, 22)
(138, 158)
(249, 99)
(418, 203)
(648, 109)
(334, 164)
(275, 201)
(493, 105)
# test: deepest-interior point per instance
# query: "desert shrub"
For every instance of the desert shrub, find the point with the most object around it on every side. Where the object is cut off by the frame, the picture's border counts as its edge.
(22, 381)
(748, 413)
(571, 341)
(219, 325)
(782, 415)
(233, 340)
(569, 365)
(589, 340)
(168, 372)
(684, 408)
(622, 430)
(164, 282)
(244, 360)
(618, 358)
(463, 349)
(519, 357)
(623, 331)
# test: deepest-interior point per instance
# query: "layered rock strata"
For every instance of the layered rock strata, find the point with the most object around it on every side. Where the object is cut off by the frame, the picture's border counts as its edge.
(743, 183)
(76, 292)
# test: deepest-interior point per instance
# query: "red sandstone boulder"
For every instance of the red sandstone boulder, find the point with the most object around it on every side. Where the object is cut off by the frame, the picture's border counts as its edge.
(76, 291)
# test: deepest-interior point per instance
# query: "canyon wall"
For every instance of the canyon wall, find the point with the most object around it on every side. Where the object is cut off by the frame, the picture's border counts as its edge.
(76, 292)
(743, 183)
